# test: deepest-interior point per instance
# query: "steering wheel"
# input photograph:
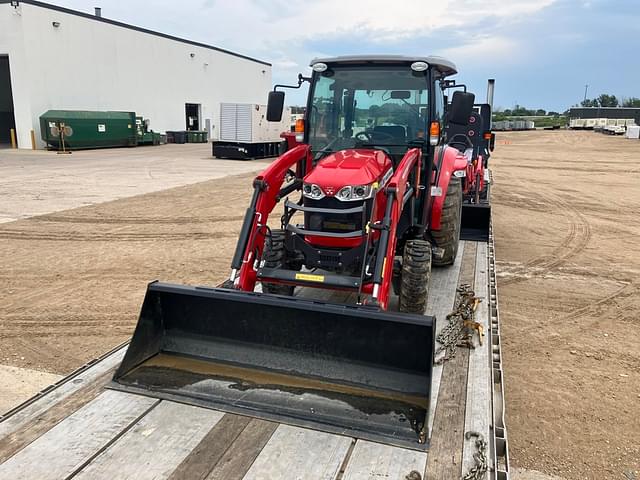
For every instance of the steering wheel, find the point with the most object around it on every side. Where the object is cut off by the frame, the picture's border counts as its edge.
(460, 140)
(368, 136)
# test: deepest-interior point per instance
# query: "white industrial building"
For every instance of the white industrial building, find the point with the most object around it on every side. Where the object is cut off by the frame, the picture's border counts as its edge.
(55, 58)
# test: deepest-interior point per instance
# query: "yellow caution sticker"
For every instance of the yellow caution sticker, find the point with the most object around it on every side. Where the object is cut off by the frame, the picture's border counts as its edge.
(309, 277)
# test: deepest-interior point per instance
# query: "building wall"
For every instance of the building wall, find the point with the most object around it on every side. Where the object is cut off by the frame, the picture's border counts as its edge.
(85, 64)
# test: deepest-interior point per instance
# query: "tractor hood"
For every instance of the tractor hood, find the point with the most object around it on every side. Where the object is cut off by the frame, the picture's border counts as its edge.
(349, 167)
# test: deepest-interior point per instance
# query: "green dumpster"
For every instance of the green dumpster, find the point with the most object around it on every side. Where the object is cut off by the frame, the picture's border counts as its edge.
(88, 129)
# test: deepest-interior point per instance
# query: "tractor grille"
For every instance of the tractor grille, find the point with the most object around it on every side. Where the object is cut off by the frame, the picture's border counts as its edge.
(335, 222)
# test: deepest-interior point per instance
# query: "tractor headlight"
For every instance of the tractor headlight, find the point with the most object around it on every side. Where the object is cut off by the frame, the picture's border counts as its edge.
(355, 192)
(312, 191)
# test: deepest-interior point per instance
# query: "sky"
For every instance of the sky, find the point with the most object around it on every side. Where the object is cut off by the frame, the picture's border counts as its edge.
(542, 53)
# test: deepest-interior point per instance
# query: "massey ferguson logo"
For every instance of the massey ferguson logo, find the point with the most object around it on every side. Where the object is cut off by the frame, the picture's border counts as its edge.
(329, 191)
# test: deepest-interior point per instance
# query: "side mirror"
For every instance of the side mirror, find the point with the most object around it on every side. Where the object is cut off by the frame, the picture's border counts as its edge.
(461, 107)
(275, 106)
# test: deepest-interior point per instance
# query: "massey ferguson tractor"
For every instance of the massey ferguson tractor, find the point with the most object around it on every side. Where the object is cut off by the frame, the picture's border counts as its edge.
(364, 201)
(474, 139)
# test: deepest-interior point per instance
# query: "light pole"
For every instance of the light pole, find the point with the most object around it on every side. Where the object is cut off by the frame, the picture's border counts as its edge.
(586, 87)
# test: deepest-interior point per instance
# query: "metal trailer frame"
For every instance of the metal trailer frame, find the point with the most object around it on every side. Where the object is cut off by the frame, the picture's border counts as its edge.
(38, 426)
(499, 441)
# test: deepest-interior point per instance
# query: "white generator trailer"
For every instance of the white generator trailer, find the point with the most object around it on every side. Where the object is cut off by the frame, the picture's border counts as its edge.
(245, 133)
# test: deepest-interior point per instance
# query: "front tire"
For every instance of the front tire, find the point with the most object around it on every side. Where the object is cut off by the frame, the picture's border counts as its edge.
(415, 274)
(448, 237)
(275, 256)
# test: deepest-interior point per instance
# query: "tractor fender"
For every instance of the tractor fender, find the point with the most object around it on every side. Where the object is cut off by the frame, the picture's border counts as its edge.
(448, 160)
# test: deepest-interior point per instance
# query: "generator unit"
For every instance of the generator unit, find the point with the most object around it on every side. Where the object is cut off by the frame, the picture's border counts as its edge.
(245, 133)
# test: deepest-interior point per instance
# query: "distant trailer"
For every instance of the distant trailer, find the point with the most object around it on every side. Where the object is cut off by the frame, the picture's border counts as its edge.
(245, 133)
(577, 123)
(530, 125)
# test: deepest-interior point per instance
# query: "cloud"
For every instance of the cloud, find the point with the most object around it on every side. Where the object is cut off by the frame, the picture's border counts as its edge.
(526, 44)
(289, 32)
(483, 48)
(380, 21)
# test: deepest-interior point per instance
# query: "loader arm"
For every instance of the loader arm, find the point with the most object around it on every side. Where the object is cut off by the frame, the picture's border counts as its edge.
(399, 192)
(267, 189)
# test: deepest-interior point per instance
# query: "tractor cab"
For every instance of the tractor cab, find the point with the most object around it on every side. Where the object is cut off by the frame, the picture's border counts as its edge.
(370, 106)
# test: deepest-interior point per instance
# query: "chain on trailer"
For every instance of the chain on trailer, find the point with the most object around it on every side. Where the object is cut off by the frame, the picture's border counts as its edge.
(479, 470)
(460, 327)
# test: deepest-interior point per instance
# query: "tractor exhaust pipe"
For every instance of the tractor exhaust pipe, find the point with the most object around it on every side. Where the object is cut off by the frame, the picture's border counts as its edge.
(491, 84)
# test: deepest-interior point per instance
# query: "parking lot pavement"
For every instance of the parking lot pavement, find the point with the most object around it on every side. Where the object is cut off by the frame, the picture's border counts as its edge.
(39, 182)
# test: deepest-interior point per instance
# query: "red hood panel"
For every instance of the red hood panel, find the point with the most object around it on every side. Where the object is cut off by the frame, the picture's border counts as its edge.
(349, 167)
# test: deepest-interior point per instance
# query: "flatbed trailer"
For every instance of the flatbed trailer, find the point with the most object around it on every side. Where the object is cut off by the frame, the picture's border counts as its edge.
(78, 428)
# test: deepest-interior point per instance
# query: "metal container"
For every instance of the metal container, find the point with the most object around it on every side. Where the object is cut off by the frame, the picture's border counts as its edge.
(180, 137)
(88, 129)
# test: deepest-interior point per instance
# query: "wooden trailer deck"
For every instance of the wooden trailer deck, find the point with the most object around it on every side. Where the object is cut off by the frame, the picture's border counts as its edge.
(78, 429)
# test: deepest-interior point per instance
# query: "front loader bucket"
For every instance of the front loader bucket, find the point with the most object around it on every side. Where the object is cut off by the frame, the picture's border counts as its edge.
(345, 369)
(476, 220)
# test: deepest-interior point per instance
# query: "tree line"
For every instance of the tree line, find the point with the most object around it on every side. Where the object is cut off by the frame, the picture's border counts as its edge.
(520, 111)
(606, 100)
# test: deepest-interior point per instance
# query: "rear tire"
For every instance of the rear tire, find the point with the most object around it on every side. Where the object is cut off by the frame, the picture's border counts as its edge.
(415, 274)
(275, 256)
(448, 237)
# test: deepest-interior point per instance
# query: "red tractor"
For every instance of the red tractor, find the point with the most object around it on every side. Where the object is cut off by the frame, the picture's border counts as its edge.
(370, 199)
(475, 140)
(380, 192)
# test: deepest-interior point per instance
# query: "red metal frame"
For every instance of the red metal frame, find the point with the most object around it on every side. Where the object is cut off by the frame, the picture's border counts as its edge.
(271, 179)
(398, 182)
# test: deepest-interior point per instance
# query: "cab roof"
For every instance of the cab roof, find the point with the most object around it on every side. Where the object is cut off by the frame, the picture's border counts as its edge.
(444, 66)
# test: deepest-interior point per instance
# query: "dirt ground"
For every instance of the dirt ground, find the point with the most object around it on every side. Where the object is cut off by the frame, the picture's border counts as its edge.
(566, 207)
(73, 281)
(566, 213)
(18, 384)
